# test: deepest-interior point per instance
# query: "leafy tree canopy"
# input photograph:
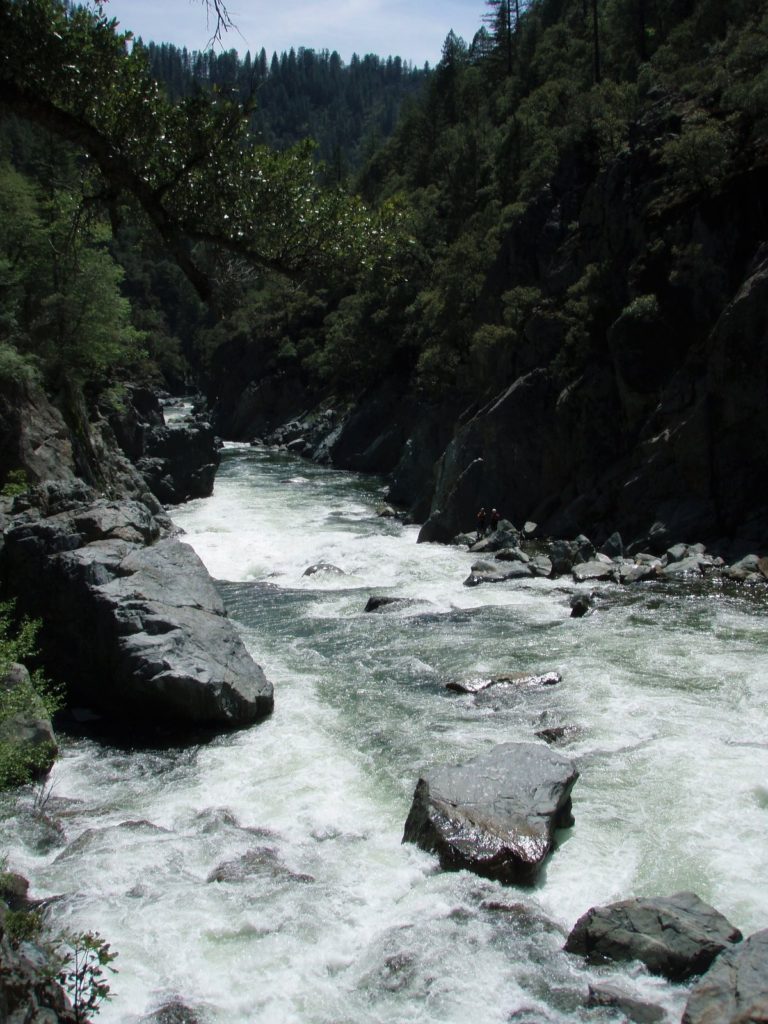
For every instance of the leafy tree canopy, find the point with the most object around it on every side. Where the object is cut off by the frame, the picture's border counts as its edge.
(191, 168)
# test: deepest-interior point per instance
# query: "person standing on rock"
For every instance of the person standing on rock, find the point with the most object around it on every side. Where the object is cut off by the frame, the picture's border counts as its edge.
(481, 523)
(494, 519)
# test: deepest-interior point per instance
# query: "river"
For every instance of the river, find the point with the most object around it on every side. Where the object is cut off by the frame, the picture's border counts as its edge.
(337, 922)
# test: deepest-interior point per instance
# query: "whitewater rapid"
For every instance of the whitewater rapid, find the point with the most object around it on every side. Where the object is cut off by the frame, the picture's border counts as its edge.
(337, 922)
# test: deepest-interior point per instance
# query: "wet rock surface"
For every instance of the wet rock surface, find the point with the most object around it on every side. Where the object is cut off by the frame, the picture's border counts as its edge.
(497, 814)
(476, 684)
(607, 994)
(676, 936)
(735, 988)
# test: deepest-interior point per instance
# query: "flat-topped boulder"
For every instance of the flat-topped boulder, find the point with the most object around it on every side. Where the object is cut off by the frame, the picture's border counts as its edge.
(676, 936)
(497, 814)
(496, 574)
(735, 988)
(132, 621)
(594, 570)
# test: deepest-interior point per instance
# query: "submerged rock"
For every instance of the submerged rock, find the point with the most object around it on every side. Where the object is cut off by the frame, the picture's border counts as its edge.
(262, 860)
(581, 605)
(323, 567)
(607, 994)
(557, 733)
(386, 604)
(175, 1012)
(495, 815)
(735, 988)
(676, 936)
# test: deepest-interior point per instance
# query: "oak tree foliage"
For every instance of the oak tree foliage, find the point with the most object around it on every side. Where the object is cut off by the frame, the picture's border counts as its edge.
(192, 168)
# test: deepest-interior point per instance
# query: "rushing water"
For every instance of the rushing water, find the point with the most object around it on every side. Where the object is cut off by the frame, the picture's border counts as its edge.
(335, 921)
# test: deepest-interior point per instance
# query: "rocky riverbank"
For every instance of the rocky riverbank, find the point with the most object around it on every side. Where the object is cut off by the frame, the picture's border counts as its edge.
(131, 622)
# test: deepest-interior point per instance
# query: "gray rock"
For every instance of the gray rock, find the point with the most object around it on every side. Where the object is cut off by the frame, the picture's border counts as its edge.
(676, 936)
(512, 555)
(477, 684)
(504, 536)
(646, 558)
(495, 815)
(565, 554)
(581, 605)
(614, 546)
(749, 563)
(385, 604)
(514, 571)
(176, 1012)
(262, 860)
(557, 733)
(607, 994)
(593, 570)
(678, 552)
(484, 567)
(463, 540)
(689, 566)
(735, 988)
(323, 567)
(133, 623)
(629, 573)
(541, 566)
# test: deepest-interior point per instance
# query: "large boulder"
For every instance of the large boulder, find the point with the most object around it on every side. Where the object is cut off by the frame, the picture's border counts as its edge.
(495, 815)
(179, 461)
(735, 988)
(675, 936)
(131, 619)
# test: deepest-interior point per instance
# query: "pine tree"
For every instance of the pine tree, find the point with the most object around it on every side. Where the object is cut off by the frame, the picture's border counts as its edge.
(503, 18)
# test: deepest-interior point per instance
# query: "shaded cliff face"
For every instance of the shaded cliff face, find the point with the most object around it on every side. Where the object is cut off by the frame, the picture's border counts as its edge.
(567, 459)
(627, 389)
(659, 414)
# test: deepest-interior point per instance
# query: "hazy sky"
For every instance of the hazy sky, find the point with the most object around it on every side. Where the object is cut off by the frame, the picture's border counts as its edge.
(411, 29)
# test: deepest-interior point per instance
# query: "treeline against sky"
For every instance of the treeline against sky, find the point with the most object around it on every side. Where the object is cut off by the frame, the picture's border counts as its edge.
(348, 109)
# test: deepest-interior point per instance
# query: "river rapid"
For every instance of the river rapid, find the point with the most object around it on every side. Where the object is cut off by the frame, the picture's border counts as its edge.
(335, 921)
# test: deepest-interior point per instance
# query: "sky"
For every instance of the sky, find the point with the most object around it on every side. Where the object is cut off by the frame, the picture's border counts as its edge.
(411, 29)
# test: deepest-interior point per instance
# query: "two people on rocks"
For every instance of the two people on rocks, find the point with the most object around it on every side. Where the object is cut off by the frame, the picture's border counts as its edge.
(486, 523)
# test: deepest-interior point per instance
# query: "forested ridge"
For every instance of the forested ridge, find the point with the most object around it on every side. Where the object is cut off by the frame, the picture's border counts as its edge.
(570, 199)
(347, 109)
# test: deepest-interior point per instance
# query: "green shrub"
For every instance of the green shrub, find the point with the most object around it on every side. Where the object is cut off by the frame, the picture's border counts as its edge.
(34, 697)
(16, 482)
(84, 959)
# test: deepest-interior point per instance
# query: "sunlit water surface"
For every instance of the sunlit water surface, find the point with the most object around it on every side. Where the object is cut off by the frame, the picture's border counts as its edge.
(337, 922)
